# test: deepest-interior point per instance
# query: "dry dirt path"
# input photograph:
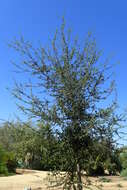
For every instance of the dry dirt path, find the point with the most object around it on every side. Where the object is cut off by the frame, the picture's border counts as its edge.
(35, 180)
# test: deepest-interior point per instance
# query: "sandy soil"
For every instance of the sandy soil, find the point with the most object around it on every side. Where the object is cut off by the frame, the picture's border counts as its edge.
(36, 180)
(33, 179)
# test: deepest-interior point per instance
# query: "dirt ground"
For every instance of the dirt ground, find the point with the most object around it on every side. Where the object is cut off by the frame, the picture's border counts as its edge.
(27, 178)
(36, 180)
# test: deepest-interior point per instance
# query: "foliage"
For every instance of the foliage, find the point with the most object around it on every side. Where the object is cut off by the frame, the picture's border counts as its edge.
(123, 159)
(67, 84)
(31, 146)
(124, 173)
(7, 162)
(103, 158)
(3, 161)
(11, 162)
(113, 164)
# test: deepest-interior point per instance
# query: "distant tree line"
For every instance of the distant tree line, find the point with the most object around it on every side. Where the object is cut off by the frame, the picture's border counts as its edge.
(37, 147)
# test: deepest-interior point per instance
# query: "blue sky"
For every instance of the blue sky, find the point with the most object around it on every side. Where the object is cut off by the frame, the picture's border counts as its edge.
(37, 21)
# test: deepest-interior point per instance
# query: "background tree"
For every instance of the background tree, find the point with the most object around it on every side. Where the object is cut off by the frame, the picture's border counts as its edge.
(67, 86)
(31, 145)
(3, 162)
(123, 159)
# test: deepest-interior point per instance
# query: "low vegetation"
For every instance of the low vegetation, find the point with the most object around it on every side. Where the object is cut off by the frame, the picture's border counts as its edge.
(7, 163)
(104, 180)
(123, 159)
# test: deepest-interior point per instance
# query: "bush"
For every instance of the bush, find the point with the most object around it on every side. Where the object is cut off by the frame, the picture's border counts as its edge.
(113, 165)
(3, 162)
(7, 162)
(123, 159)
(94, 168)
(124, 173)
(11, 163)
(99, 170)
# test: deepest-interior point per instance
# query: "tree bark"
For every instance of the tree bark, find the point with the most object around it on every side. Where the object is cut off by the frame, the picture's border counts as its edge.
(79, 184)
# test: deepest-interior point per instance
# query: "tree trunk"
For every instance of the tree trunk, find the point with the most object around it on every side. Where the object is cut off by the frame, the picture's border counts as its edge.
(79, 184)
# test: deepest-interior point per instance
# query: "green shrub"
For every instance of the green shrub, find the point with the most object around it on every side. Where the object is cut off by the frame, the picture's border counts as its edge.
(99, 170)
(94, 168)
(3, 162)
(123, 159)
(124, 173)
(113, 165)
(11, 163)
(7, 162)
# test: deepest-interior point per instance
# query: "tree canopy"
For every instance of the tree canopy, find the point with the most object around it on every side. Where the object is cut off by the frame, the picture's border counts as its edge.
(68, 87)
